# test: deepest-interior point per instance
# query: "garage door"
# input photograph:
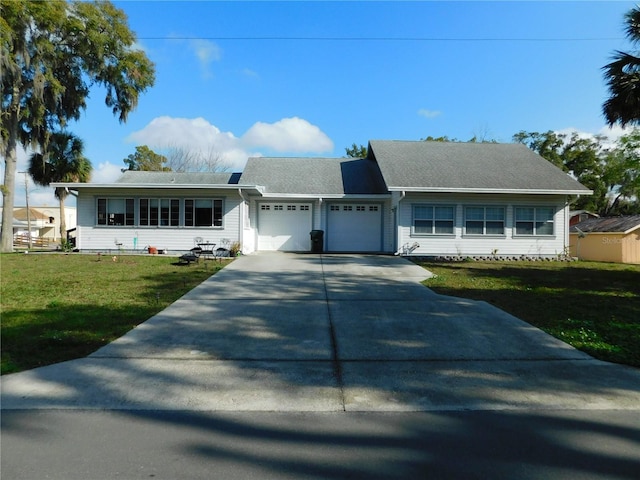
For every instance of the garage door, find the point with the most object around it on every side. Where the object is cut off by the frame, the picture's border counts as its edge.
(354, 228)
(284, 226)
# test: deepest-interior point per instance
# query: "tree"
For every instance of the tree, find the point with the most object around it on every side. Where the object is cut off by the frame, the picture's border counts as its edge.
(52, 53)
(622, 76)
(147, 160)
(356, 151)
(583, 158)
(182, 159)
(63, 161)
(622, 175)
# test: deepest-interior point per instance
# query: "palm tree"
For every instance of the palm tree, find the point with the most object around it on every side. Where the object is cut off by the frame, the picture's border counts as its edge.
(623, 78)
(63, 161)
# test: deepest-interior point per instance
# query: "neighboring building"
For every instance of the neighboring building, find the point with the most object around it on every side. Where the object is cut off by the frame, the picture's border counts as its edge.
(578, 216)
(45, 221)
(419, 198)
(608, 239)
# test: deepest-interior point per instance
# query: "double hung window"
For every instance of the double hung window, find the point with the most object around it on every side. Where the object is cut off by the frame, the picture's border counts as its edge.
(433, 219)
(484, 220)
(534, 220)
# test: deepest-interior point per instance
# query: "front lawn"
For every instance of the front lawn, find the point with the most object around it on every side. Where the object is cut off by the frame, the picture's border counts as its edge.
(593, 306)
(59, 307)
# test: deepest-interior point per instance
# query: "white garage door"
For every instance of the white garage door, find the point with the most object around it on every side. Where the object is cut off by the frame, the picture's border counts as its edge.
(284, 226)
(354, 228)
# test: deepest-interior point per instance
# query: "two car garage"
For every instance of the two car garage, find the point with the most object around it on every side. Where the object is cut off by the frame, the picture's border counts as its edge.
(350, 227)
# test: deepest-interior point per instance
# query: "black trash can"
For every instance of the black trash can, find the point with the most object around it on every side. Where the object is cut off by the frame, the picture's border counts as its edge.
(317, 241)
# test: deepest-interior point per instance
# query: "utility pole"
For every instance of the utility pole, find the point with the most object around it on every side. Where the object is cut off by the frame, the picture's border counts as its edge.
(26, 192)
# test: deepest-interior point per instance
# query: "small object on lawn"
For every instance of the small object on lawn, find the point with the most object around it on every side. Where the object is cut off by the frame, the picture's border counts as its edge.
(114, 258)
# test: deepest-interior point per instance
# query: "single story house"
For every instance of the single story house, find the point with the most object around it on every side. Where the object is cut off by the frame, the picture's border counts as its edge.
(405, 197)
(608, 239)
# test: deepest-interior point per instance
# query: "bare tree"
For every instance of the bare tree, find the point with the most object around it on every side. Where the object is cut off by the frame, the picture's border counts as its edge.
(183, 159)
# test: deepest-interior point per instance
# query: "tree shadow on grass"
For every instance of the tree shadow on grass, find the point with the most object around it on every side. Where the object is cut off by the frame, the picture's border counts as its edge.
(595, 309)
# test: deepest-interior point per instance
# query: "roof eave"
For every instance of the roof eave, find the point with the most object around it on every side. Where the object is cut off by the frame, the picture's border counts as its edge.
(324, 196)
(530, 191)
(169, 186)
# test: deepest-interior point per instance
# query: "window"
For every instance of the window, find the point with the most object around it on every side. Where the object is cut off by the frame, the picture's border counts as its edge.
(433, 219)
(360, 208)
(291, 208)
(278, 207)
(534, 220)
(203, 212)
(335, 208)
(265, 207)
(347, 208)
(115, 211)
(484, 220)
(164, 212)
(373, 208)
(304, 208)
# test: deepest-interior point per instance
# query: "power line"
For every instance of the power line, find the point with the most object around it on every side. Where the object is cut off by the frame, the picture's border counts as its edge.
(387, 39)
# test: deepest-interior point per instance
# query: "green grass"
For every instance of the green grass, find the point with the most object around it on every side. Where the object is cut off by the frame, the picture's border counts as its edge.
(593, 306)
(58, 307)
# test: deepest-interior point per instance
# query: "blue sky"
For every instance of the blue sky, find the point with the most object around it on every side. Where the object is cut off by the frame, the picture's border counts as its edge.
(310, 78)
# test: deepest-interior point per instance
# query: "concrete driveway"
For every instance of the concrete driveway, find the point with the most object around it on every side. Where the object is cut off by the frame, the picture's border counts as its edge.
(287, 332)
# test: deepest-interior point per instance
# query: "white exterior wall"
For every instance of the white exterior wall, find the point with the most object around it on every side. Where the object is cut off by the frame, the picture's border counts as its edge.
(93, 237)
(459, 244)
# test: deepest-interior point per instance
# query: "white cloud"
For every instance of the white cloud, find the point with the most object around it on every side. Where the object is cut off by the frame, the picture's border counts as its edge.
(612, 134)
(207, 52)
(288, 135)
(106, 172)
(292, 135)
(423, 112)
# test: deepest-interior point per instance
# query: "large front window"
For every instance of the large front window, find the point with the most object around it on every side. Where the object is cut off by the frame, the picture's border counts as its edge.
(159, 211)
(433, 219)
(115, 211)
(203, 212)
(484, 220)
(534, 220)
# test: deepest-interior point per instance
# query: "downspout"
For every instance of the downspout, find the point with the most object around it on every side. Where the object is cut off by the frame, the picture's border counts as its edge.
(244, 205)
(394, 207)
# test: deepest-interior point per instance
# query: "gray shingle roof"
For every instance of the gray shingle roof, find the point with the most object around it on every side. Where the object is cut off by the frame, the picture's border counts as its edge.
(179, 178)
(315, 176)
(608, 225)
(434, 166)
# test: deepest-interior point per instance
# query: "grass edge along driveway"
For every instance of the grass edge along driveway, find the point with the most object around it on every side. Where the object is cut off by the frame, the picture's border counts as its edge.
(57, 307)
(592, 306)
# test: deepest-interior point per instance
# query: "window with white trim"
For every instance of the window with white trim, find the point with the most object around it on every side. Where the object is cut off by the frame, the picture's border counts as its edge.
(116, 211)
(484, 220)
(534, 220)
(203, 212)
(433, 220)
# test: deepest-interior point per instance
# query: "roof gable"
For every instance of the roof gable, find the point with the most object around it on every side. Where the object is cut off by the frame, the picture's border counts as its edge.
(473, 167)
(315, 176)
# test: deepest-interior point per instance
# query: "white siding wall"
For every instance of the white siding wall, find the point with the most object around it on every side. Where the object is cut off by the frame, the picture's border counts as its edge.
(91, 236)
(459, 244)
